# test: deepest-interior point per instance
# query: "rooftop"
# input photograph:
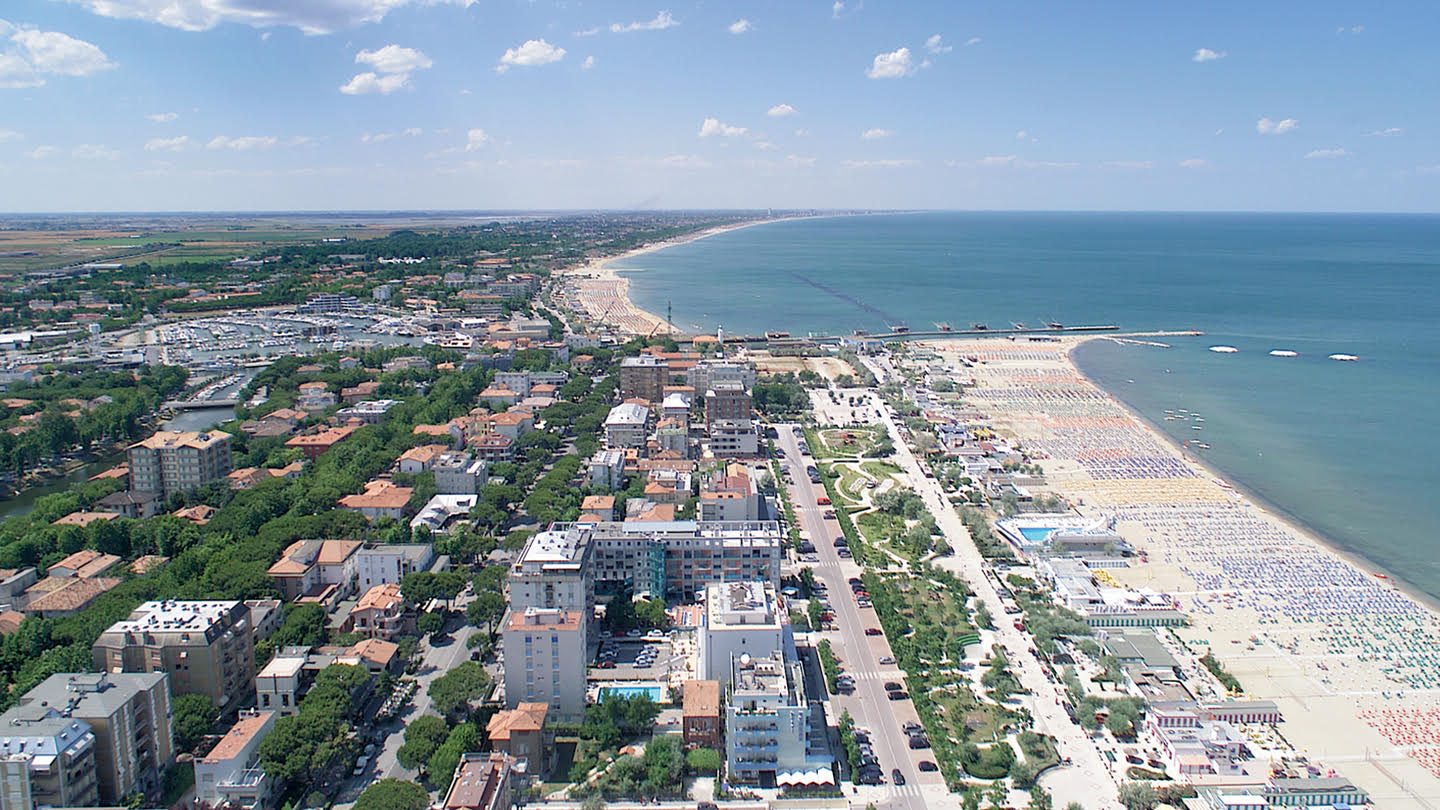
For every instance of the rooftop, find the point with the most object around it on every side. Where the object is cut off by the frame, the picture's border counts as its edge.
(176, 616)
(170, 439)
(238, 738)
(702, 698)
(379, 495)
(525, 717)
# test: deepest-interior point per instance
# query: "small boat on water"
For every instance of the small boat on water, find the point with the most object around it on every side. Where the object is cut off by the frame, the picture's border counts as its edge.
(979, 327)
(1224, 349)
(1284, 353)
(1344, 358)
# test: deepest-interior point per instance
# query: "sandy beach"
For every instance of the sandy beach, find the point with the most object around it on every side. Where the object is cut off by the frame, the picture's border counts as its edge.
(597, 289)
(1349, 657)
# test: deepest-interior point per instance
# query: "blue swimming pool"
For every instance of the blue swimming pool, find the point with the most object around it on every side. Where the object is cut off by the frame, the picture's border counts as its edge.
(1036, 534)
(655, 693)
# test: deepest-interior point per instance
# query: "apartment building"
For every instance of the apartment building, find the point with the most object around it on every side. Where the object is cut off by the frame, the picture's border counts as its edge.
(742, 618)
(700, 714)
(390, 562)
(708, 374)
(521, 733)
(317, 570)
(129, 716)
(172, 461)
(643, 377)
(230, 775)
(727, 401)
(481, 782)
(730, 438)
(766, 721)
(46, 760)
(545, 660)
(382, 613)
(459, 473)
(626, 426)
(553, 572)
(681, 557)
(206, 647)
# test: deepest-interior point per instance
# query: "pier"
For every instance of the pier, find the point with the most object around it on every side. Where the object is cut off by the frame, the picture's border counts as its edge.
(192, 404)
(893, 337)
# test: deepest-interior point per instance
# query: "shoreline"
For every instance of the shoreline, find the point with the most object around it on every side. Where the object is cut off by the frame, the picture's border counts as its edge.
(609, 290)
(1249, 497)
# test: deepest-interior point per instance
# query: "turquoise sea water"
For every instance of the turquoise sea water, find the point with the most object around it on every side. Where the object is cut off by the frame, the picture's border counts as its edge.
(1350, 449)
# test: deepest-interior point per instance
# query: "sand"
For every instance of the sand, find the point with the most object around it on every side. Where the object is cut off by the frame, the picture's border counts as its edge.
(1350, 659)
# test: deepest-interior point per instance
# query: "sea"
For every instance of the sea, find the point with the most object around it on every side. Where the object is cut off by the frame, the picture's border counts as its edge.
(1350, 450)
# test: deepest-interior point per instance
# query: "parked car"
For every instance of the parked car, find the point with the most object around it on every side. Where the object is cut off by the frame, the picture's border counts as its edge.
(898, 695)
(886, 660)
(892, 686)
(912, 726)
(874, 631)
(919, 742)
(928, 766)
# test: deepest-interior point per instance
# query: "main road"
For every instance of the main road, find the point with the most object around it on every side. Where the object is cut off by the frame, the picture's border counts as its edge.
(1088, 780)
(859, 654)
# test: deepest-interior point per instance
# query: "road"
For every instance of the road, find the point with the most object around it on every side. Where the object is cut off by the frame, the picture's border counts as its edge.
(859, 653)
(1088, 779)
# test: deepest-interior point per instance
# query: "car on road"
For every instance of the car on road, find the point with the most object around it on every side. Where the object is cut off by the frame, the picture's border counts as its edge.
(605, 665)
(871, 775)
(360, 765)
(919, 741)
(823, 500)
(898, 695)
(843, 553)
(874, 631)
(864, 603)
(886, 660)
(928, 766)
(912, 727)
(892, 686)
(897, 776)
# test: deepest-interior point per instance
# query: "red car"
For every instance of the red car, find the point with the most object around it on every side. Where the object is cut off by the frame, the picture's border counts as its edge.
(874, 631)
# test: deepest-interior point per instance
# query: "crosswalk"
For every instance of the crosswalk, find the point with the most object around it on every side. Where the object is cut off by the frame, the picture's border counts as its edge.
(904, 791)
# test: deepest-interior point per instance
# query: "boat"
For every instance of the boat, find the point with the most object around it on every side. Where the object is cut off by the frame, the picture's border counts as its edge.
(1196, 427)
(1055, 325)
(1284, 353)
(899, 329)
(1224, 349)
(1017, 324)
(979, 327)
(1344, 358)
(1379, 575)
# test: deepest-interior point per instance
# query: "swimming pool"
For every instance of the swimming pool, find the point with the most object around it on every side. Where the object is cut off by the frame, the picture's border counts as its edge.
(1036, 534)
(655, 693)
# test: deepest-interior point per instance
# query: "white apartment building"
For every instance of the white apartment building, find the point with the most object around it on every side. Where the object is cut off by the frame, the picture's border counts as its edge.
(766, 720)
(553, 572)
(682, 557)
(742, 618)
(607, 470)
(545, 660)
(733, 437)
(277, 687)
(230, 774)
(626, 426)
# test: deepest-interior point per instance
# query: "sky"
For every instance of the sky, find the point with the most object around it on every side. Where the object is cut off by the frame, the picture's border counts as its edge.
(213, 105)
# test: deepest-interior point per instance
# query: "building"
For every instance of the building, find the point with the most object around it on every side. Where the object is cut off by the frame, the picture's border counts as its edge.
(643, 377)
(553, 572)
(380, 499)
(46, 760)
(607, 470)
(481, 782)
(742, 618)
(53, 597)
(420, 459)
(766, 720)
(682, 557)
(732, 496)
(494, 447)
(1320, 791)
(727, 401)
(545, 660)
(230, 775)
(382, 613)
(129, 715)
(170, 461)
(205, 647)
(280, 684)
(130, 504)
(390, 562)
(369, 413)
(626, 426)
(1105, 606)
(708, 374)
(733, 438)
(440, 510)
(521, 733)
(459, 473)
(314, 445)
(266, 615)
(513, 424)
(700, 714)
(317, 570)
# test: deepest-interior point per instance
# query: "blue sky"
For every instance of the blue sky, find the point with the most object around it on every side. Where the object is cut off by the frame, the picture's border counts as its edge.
(113, 105)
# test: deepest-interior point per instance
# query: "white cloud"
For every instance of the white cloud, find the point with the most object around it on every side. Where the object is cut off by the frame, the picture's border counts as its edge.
(1326, 153)
(843, 9)
(7, 135)
(797, 162)
(935, 45)
(476, 139)
(684, 162)
(413, 132)
(1428, 169)
(1207, 55)
(973, 41)
(41, 152)
(243, 143)
(891, 65)
(802, 132)
(1128, 164)
(662, 21)
(712, 127)
(394, 59)
(1350, 29)
(1388, 132)
(533, 53)
(1265, 126)
(740, 26)
(766, 146)
(90, 151)
(376, 137)
(1014, 161)
(163, 118)
(1021, 135)
(167, 144)
(363, 83)
(588, 32)
(997, 160)
(780, 111)
(878, 164)
(876, 134)
(588, 63)
(28, 54)
(310, 16)
(1192, 163)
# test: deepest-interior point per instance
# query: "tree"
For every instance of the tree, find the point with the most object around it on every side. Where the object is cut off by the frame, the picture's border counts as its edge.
(452, 692)
(422, 586)
(193, 717)
(1138, 796)
(703, 760)
(486, 609)
(393, 794)
(422, 737)
(1039, 799)
(429, 623)
(1023, 772)
(463, 739)
(664, 766)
